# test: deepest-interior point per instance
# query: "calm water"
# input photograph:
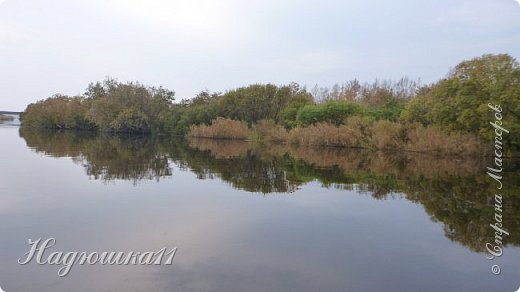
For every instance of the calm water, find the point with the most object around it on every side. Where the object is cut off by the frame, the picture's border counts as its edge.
(250, 218)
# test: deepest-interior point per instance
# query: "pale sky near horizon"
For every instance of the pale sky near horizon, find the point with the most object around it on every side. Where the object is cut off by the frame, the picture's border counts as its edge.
(59, 46)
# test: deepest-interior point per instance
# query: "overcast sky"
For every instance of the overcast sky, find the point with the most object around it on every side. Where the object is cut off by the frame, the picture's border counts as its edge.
(51, 46)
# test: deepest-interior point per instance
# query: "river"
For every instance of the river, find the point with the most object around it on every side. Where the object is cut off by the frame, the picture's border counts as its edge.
(250, 217)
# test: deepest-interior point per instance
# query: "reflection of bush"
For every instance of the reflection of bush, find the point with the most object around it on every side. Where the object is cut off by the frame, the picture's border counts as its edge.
(105, 157)
(233, 162)
(455, 192)
(352, 162)
(220, 148)
(465, 206)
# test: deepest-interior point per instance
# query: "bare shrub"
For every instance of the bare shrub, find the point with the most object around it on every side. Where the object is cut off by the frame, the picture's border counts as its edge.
(387, 135)
(323, 134)
(431, 139)
(221, 128)
(356, 132)
(269, 131)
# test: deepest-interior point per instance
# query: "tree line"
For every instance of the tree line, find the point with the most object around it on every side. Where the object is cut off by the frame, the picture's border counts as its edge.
(456, 104)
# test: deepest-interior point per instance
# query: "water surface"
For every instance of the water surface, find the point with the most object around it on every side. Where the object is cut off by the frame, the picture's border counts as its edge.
(250, 218)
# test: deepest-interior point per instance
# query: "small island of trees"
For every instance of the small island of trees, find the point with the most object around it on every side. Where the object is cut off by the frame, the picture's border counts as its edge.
(450, 116)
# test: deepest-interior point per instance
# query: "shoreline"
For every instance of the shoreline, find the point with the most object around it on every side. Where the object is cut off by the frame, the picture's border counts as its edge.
(257, 143)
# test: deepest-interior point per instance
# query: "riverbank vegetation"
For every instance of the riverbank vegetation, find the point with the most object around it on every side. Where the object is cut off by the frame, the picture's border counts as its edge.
(108, 106)
(354, 132)
(450, 116)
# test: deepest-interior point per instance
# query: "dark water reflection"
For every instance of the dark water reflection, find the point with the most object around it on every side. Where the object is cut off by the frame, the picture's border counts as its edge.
(453, 192)
(104, 157)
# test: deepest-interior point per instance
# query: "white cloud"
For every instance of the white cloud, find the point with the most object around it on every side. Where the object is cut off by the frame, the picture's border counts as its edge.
(192, 21)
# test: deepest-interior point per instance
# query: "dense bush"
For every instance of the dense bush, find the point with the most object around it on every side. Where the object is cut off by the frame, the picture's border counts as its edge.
(258, 102)
(459, 103)
(131, 120)
(250, 104)
(58, 112)
(127, 107)
(333, 112)
(106, 106)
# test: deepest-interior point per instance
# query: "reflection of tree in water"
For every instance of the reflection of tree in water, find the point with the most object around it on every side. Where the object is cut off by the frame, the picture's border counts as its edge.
(455, 192)
(236, 164)
(465, 205)
(104, 157)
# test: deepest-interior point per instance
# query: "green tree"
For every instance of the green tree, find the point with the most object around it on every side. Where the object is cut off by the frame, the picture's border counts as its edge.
(459, 103)
(333, 112)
